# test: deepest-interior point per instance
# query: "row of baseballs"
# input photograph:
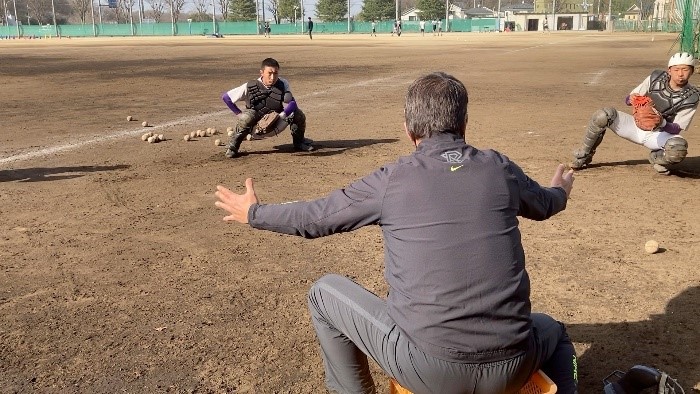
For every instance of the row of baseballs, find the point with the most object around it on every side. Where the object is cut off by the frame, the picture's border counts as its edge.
(130, 118)
(201, 133)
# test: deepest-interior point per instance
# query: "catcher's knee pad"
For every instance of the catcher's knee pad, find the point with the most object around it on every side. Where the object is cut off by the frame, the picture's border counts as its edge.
(603, 118)
(675, 149)
(247, 119)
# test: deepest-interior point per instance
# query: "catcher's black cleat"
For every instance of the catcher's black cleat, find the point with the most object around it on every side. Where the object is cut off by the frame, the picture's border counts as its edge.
(230, 153)
(304, 147)
(641, 379)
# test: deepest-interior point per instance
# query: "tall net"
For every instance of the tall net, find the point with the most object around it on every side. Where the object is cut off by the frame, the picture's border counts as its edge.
(690, 33)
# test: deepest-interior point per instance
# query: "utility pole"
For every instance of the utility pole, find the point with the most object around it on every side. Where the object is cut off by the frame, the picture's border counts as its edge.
(53, 11)
(14, 2)
(447, 14)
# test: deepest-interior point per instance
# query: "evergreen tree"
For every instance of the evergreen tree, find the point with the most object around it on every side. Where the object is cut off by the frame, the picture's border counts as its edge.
(286, 9)
(431, 9)
(242, 10)
(378, 10)
(331, 10)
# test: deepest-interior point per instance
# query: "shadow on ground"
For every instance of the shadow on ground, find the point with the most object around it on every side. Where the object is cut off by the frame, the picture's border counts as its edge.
(39, 174)
(619, 346)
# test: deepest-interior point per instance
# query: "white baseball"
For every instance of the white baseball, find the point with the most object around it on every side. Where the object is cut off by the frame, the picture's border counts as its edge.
(145, 137)
(651, 246)
(193, 134)
(152, 139)
(161, 137)
(129, 118)
(187, 137)
(144, 124)
(217, 143)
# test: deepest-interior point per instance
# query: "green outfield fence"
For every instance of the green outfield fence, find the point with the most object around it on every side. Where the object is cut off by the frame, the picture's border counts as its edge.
(688, 28)
(229, 28)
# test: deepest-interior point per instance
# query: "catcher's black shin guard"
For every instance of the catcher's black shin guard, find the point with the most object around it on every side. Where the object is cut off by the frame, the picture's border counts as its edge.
(235, 144)
(300, 143)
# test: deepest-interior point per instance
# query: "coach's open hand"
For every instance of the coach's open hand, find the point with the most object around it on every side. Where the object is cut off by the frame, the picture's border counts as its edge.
(237, 205)
(564, 181)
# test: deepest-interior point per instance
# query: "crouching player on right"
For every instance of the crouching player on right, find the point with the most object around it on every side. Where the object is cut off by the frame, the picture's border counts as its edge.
(657, 125)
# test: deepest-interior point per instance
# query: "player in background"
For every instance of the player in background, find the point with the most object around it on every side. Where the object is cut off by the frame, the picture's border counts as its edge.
(422, 28)
(674, 98)
(269, 93)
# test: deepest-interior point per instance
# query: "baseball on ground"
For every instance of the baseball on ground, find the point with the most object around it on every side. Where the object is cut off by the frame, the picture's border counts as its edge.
(187, 137)
(217, 142)
(129, 118)
(144, 124)
(651, 246)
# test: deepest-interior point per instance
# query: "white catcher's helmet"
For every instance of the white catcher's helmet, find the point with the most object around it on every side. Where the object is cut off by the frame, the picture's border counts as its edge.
(682, 59)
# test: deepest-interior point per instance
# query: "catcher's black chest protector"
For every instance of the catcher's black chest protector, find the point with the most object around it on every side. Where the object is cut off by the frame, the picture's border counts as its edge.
(667, 101)
(264, 100)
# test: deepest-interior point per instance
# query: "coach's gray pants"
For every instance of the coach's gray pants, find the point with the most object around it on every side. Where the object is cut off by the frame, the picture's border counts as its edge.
(352, 323)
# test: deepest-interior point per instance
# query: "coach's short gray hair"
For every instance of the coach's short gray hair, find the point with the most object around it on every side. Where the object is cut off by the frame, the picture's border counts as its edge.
(436, 104)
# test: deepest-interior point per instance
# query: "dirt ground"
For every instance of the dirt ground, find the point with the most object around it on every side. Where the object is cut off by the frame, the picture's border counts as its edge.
(117, 273)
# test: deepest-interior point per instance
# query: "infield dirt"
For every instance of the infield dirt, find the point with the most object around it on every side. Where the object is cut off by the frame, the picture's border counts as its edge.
(117, 273)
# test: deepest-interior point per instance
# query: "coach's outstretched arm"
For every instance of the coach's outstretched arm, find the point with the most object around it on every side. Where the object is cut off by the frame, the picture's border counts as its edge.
(237, 205)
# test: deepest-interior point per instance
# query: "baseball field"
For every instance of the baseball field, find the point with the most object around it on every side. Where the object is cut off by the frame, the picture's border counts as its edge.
(118, 274)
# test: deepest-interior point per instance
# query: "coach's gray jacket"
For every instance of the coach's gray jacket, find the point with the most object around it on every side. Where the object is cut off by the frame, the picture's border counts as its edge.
(454, 259)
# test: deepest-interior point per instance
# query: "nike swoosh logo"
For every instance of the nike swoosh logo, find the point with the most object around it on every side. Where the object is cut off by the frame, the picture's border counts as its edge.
(455, 168)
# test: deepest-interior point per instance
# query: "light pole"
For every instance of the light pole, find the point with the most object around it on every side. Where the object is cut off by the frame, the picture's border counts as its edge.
(53, 11)
(213, 16)
(14, 2)
(296, 7)
(92, 14)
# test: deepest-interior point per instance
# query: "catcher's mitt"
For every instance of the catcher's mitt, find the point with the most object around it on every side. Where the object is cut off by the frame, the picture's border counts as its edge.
(267, 123)
(646, 117)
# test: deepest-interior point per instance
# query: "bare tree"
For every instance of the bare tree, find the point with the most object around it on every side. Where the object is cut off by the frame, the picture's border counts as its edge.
(223, 6)
(158, 7)
(274, 7)
(81, 9)
(201, 7)
(40, 10)
(126, 8)
(176, 8)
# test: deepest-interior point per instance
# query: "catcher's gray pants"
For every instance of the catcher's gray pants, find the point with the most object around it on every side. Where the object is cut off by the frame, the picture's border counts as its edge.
(352, 323)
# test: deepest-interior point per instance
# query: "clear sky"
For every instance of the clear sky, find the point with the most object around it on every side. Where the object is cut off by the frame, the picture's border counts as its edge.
(310, 8)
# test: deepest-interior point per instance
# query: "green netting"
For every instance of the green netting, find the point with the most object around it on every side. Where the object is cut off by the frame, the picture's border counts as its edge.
(687, 27)
(690, 33)
(233, 28)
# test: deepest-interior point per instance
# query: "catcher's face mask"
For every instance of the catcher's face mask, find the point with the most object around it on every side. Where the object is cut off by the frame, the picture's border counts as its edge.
(269, 75)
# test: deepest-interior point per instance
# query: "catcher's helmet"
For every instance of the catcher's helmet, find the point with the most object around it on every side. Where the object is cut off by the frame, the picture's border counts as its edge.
(682, 59)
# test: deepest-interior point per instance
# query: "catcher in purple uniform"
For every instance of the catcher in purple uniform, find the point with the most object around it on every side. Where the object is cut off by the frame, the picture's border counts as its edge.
(664, 105)
(270, 107)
